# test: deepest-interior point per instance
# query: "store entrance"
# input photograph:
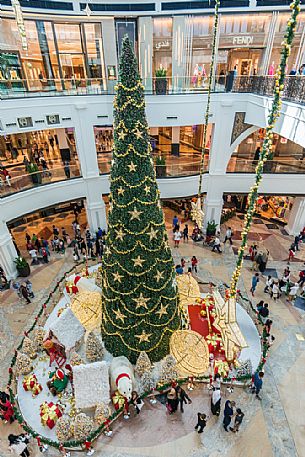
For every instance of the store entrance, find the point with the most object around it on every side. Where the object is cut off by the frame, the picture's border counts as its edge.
(245, 61)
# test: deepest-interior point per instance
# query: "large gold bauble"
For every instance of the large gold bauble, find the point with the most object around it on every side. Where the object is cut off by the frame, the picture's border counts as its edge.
(191, 352)
(87, 307)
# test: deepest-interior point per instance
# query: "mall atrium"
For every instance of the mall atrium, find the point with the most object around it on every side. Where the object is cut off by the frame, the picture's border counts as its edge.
(152, 228)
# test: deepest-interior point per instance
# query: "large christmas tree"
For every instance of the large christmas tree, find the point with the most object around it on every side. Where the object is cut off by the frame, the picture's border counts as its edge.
(140, 304)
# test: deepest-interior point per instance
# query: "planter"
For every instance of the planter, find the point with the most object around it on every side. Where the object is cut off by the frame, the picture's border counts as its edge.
(161, 86)
(36, 178)
(25, 271)
(160, 171)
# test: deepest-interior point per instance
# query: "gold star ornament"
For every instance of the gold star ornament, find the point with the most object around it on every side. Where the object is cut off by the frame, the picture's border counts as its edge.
(119, 315)
(141, 301)
(120, 234)
(159, 275)
(147, 189)
(132, 167)
(144, 337)
(121, 191)
(117, 277)
(135, 214)
(137, 133)
(121, 135)
(162, 311)
(138, 261)
(152, 234)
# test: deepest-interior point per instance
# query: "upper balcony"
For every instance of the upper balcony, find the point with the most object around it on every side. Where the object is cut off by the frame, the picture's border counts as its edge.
(294, 88)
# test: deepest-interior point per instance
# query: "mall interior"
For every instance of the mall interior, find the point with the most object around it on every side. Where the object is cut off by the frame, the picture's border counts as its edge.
(59, 72)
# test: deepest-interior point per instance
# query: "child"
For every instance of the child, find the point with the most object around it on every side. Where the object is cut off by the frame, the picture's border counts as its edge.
(238, 420)
(29, 288)
(269, 283)
(201, 422)
(275, 291)
(136, 401)
(255, 280)
(291, 255)
(194, 262)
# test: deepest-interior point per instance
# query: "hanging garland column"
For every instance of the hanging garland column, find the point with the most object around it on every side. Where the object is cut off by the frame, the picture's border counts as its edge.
(197, 213)
(273, 115)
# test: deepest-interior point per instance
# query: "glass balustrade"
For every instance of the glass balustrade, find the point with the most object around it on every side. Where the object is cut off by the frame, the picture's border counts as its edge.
(277, 165)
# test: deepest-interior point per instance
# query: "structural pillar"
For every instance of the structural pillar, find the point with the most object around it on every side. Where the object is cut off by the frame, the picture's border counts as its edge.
(145, 27)
(8, 252)
(95, 206)
(213, 202)
(296, 220)
(175, 141)
(63, 145)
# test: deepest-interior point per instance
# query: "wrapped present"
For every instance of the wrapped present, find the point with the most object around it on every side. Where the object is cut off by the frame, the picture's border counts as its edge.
(23, 364)
(118, 400)
(221, 367)
(30, 383)
(49, 414)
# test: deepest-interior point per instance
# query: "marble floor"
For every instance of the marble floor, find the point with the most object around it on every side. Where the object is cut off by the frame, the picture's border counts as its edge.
(273, 427)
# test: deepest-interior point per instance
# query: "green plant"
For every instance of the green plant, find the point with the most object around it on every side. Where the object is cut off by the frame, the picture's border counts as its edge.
(140, 299)
(211, 228)
(20, 263)
(32, 168)
(160, 160)
(160, 73)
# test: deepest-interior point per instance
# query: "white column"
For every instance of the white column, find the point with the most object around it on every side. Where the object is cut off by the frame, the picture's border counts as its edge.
(8, 252)
(213, 202)
(220, 151)
(85, 143)
(145, 26)
(175, 149)
(296, 220)
(95, 206)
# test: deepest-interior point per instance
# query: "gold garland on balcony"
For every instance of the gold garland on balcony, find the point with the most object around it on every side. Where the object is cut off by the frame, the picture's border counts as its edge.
(20, 24)
(196, 212)
(273, 115)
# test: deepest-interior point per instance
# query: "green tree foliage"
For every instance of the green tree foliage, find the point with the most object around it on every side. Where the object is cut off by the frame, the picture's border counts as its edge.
(140, 302)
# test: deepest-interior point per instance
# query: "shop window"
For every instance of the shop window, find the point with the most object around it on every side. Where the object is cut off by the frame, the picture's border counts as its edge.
(162, 44)
(94, 51)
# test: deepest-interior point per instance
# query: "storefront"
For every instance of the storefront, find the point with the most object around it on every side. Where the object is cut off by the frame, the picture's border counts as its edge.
(162, 44)
(242, 43)
(59, 54)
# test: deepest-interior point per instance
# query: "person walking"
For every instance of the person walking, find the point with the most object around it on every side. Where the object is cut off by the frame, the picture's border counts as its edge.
(291, 254)
(264, 313)
(275, 291)
(268, 286)
(194, 263)
(172, 401)
(182, 397)
(258, 384)
(24, 293)
(18, 444)
(29, 288)
(201, 422)
(237, 420)
(228, 414)
(186, 234)
(67, 169)
(228, 236)
(216, 396)
(175, 223)
(216, 244)
(254, 282)
(177, 238)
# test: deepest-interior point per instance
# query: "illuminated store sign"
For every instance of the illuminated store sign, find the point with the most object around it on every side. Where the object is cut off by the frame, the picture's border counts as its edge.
(243, 40)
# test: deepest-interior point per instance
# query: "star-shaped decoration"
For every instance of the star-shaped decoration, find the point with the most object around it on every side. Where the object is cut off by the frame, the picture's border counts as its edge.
(121, 191)
(119, 315)
(137, 133)
(120, 234)
(143, 337)
(107, 250)
(162, 310)
(135, 214)
(159, 275)
(132, 167)
(121, 135)
(147, 189)
(138, 261)
(141, 301)
(152, 234)
(87, 10)
(117, 277)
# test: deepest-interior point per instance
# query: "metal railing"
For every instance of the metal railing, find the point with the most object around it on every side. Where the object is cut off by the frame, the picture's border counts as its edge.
(277, 165)
(36, 179)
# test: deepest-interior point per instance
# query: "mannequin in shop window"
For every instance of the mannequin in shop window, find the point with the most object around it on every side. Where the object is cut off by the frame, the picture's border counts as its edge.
(195, 76)
(271, 69)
